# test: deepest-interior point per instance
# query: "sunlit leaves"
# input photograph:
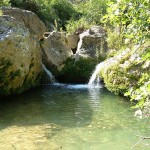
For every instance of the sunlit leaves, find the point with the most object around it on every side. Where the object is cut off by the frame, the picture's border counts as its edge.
(4, 3)
(132, 16)
(0, 12)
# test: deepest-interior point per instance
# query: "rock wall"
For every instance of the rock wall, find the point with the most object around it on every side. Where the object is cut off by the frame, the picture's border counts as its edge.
(20, 57)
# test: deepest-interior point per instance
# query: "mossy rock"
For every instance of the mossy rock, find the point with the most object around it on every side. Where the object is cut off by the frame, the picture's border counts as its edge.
(20, 57)
(127, 73)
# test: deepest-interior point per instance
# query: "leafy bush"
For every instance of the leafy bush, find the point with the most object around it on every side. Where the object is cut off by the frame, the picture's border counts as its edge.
(128, 23)
(130, 19)
(91, 12)
(64, 11)
(141, 91)
(73, 25)
(54, 13)
(4, 3)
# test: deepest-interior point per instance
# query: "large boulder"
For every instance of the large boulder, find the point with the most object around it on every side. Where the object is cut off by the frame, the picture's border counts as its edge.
(92, 43)
(54, 50)
(28, 18)
(20, 57)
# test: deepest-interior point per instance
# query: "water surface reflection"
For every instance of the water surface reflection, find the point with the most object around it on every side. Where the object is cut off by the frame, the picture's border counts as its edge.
(68, 117)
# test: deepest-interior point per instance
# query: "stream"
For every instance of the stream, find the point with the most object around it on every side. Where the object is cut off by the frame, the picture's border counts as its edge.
(70, 117)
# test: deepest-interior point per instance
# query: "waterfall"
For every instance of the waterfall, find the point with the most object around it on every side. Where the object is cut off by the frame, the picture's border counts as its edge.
(51, 78)
(95, 79)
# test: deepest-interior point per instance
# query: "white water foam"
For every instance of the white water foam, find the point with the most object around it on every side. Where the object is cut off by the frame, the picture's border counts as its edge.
(95, 79)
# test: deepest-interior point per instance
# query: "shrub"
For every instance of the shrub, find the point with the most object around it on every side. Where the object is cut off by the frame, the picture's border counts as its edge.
(91, 12)
(130, 19)
(4, 3)
(52, 13)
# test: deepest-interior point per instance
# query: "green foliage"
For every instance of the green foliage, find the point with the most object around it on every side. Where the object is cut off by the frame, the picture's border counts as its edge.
(128, 25)
(77, 71)
(130, 18)
(73, 25)
(52, 13)
(64, 11)
(141, 91)
(91, 12)
(95, 10)
(115, 40)
(128, 74)
(4, 3)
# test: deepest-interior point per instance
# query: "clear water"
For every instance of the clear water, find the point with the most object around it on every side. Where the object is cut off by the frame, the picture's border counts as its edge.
(70, 117)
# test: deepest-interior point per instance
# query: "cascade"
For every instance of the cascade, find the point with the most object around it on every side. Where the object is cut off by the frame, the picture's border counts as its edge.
(95, 79)
(51, 78)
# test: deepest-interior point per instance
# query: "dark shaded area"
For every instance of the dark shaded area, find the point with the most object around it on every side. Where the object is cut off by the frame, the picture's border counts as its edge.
(76, 71)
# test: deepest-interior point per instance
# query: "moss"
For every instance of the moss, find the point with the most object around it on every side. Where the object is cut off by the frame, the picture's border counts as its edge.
(27, 84)
(129, 73)
(6, 77)
(14, 74)
(31, 65)
(77, 71)
(5, 64)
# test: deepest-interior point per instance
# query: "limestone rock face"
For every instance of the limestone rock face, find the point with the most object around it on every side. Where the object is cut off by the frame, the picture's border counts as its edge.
(28, 18)
(92, 43)
(54, 50)
(20, 57)
(72, 41)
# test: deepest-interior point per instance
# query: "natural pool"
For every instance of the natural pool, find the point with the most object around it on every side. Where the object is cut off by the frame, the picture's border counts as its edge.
(70, 117)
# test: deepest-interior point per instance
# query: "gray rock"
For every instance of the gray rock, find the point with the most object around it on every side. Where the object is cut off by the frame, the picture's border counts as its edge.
(54, 50)
(72, 41)
(92, 43)
(28, 18)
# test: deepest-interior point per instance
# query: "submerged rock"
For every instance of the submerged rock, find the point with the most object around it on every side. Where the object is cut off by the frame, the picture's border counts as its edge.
(20, 57)
(92, 43)
(54, 50)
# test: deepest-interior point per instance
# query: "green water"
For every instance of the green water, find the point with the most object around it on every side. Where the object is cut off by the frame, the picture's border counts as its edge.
(70, 117)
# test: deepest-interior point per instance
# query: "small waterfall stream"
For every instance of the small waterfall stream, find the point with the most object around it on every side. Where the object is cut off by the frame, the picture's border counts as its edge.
(95, 79)
(50, 76)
